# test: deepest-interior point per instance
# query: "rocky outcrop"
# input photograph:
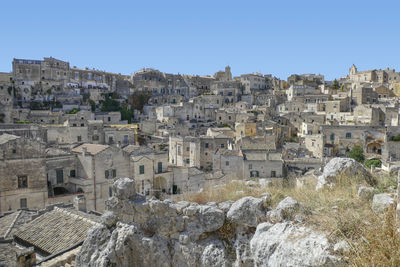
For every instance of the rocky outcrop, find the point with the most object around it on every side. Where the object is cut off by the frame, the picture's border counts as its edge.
(342, 166)
(382, 202)
(286, 244)
(136, 232)
(365, 192)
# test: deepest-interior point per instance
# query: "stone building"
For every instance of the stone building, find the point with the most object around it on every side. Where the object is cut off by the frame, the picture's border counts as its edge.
(184, 151)
(57, 74)
(150, 170)
(23, 181)
(364, 95)
(98, 167)
(6, 97)
(255, 81)
(369, 115)
(338, 141)
(379, 76)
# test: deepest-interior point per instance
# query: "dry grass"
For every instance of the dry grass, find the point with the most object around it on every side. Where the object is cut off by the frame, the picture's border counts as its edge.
(374, 239)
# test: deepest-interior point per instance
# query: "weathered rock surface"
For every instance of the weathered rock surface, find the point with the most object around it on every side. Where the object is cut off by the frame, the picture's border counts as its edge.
(136, 232)
(285, 210)
(365, 192)
(342, 166)
(247, 211)
(382, 202)
(285, 244)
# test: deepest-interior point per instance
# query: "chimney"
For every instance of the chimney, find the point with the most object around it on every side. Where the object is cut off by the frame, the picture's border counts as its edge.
(26, 257)
(80, 203)
(84, 151)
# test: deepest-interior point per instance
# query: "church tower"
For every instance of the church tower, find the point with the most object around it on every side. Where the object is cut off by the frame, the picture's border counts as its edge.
(228, 74)
(353, 70)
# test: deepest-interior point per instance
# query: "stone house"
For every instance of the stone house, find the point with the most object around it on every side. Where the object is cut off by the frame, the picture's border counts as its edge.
(119, 136)
(338, 140)
(262, 164)
(245, 129)
(98, 167)
(208, 146)
(60, 167)
(384, 92)
(230, 162)
(23, 182)
(108, 117)
(314, 143)
(364, 95)
(184, 151)
(149, 168)
(369, 115)
(391, 149)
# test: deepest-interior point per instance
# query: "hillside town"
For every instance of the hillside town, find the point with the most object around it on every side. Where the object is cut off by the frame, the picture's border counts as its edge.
(67, 134)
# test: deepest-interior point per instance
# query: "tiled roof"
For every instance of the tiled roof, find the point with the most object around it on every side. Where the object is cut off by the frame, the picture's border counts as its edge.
(55, 231)
(92, 149)
(6, 223)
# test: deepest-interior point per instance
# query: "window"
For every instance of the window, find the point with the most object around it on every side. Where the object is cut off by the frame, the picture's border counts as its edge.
(179, 150)
(227, 163)
(222, 145)
(250, 166)
(187, 149)
(14, 151)
(254, 174)
(72, 173)
(206, 145)
(187, 161)
(114, 173)
(159, 167)
(95, 138)
(110, 191)
(110, 140)
(106, 174)
(109, 118)
(126, 140)
(141, 169)
(60, 176)
(22, 181)
(332, 137)
(23, 203)
(273, 173)
(79, 138)
(348, 135)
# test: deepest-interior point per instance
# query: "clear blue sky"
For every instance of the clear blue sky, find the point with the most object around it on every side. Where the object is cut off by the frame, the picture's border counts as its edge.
(201, 37)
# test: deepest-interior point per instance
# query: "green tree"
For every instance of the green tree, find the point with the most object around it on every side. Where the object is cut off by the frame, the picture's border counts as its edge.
(109, 104)
(126, 114)
(357, 153)
(138, 99)
(372, 162)
(92, 105)
(335, 85)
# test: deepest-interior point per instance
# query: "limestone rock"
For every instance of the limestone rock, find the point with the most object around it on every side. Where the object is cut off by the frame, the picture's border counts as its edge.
(382, 202)
(109, 219)
(124, 188)
(225, 206)
(284, 210)
(365, 192)
(214, 254)
(341, 247)
(247, 211)
(139, 232)
(342, 166)
(286, 244)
